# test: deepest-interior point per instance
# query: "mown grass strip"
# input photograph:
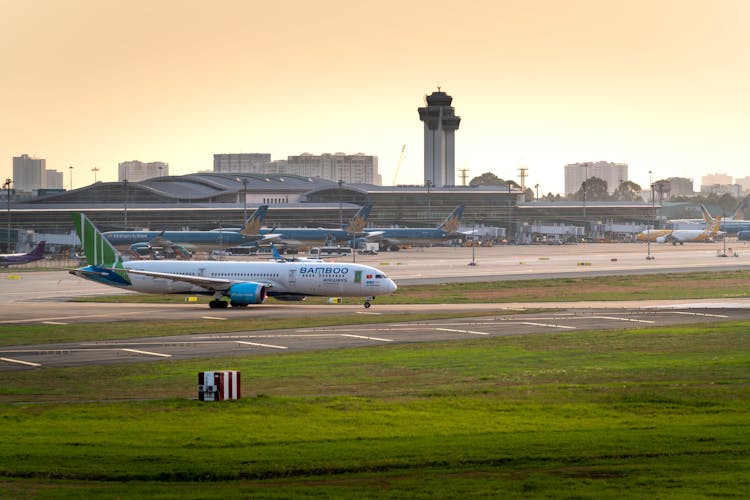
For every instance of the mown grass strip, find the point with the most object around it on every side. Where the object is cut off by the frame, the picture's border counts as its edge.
(660, 411)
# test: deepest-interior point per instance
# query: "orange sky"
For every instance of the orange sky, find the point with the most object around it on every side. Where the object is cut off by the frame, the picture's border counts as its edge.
(661, 85)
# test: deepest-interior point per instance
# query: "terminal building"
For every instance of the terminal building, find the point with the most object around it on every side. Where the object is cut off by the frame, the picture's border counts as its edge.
(208, 201)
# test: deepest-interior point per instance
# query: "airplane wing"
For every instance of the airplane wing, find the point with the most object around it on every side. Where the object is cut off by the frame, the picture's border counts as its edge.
(201, 281)
(373, 235)
(272, 237)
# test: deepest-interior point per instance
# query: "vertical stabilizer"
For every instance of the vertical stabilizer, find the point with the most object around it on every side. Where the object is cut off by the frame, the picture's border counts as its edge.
(98, 250)
(359, 221)
(707, 218)
(453, 221)
(255, 221)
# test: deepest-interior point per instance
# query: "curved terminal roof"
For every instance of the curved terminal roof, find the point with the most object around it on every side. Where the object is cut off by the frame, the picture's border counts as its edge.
(194, 188)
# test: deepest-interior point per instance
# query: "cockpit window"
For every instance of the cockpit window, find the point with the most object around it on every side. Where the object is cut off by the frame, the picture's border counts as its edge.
(379, 276)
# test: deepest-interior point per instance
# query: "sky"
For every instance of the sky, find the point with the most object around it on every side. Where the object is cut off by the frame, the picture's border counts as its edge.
(662, 85)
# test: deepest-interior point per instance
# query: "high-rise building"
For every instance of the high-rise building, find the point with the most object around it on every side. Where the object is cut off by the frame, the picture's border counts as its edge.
(29, 173)
(440, 125)
(744, 183)
(716, 179)
(241, 163)
(678, 186)
(613, 173)
(352, 169)
(135, 170)
(54, 179)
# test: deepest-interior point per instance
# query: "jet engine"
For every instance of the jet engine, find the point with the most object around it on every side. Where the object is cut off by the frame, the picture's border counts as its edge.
(243, 294)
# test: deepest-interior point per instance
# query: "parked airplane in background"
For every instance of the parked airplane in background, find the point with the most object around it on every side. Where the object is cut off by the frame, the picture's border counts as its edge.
(733, 224)
(686, 235)
(229, 282)
(652, 234)
(309, 236)
(393, 238)
(681, 236)
(37, 253)
(180, 244)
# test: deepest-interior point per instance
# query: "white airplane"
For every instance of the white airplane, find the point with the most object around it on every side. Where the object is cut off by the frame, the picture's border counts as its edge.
(229, 282)
(682, 236)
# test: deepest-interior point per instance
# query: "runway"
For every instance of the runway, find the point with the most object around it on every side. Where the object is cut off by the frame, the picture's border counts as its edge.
(40, 298)
(262, 342)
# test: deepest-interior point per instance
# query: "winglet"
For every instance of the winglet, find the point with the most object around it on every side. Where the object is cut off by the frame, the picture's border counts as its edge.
(97, 248)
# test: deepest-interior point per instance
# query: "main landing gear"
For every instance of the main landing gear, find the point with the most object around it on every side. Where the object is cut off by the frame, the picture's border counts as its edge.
(218, 304)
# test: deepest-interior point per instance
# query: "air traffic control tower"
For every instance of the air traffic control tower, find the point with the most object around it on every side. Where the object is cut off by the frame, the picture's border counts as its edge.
(440, 125)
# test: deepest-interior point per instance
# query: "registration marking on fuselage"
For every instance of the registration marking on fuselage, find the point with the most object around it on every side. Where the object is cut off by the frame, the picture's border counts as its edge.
(20, 362)
(261, 345)
(461, 331)
(148, 353)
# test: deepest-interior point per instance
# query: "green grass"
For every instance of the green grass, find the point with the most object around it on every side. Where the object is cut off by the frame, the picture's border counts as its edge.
(659, 412)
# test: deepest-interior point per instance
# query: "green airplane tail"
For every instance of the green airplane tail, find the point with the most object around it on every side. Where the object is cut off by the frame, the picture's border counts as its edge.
(98, 249)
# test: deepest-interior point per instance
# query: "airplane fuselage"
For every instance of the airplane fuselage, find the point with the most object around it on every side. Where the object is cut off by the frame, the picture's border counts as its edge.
(282, 278)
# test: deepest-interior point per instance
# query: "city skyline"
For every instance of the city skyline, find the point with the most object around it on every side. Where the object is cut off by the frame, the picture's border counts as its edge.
(660, 85)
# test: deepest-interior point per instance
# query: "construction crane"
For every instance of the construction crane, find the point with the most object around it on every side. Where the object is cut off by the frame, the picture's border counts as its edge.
(398, 165)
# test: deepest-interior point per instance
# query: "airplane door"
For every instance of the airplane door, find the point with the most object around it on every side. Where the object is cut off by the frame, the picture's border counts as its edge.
(292, 280)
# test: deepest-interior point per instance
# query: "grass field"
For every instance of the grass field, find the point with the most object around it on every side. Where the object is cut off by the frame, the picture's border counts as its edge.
(658, 412)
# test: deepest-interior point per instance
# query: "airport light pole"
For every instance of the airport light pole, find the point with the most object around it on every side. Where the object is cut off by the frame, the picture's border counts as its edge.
(125, 185)
(6, 185)
(428, 183)
(95, 170)
(341, 216)
(71, 177)
(509, 183)
(648, 226)
(537, 192)
(244, 197)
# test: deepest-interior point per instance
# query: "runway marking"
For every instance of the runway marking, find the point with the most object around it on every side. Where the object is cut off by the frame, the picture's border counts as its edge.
(547, 325)
(18, 361)
(699, 314)
(53, 323)
(261, 345)
(363, 337)
(367, 312)
(623, 319)
(461, 331)
(147, 353)
(213, 317)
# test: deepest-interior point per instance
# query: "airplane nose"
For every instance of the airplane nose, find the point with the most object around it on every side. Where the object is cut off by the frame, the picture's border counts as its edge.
(392, 287)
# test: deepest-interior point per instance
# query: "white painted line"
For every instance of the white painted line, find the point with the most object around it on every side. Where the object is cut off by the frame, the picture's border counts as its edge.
(261, 345)
(548, 325)
(148, 353)
(366, 338)
(623, 319)
(699, 314)
(213, 317)
(461, 331)
(18, 361)
(53, 323)
(366, 312)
